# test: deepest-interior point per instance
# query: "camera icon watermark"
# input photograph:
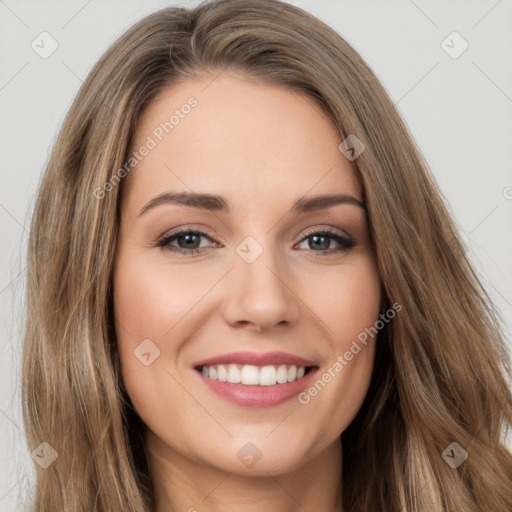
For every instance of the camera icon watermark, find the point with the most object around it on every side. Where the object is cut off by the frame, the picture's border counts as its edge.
(454, 45)
(249, 454)
(44, 45)
(249, 249)
(44, 455)
(351, 147)
(454, 455)
(147, 352)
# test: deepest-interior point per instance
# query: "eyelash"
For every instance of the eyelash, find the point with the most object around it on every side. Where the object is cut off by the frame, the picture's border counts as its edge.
(345, 242)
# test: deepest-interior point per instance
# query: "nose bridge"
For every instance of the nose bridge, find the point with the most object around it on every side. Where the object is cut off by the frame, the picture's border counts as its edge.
(258, 289)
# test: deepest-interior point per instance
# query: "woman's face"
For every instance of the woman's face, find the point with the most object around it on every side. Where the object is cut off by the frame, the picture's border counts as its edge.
(258, 287)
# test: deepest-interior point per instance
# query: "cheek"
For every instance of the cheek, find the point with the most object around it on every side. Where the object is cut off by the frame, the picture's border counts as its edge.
(150, 300)
(146, 307)
(158, 307)
(347, 300)
(350, 307)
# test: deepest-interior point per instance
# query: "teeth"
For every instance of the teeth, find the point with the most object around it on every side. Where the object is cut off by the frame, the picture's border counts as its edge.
(252, 375)
(267, 376)
(282, 374)
(233, 373)
(249, 375)
(222, 373)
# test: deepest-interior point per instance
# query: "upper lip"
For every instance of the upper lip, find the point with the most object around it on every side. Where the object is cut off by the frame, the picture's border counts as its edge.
(256, 358)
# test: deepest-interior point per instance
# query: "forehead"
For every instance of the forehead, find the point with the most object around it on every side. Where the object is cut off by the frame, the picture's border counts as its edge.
(256, 143)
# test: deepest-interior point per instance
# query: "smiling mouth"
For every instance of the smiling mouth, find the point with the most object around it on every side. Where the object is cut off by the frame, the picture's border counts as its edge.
(252, 375)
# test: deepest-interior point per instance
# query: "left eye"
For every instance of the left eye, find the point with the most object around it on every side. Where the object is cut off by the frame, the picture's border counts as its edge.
(321, 240)
(189, 242)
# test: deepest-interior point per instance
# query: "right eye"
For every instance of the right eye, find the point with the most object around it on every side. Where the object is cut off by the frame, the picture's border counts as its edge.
(189, 241)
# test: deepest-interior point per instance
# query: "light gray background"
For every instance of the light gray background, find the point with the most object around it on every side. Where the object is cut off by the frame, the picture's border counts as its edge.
(458, 109)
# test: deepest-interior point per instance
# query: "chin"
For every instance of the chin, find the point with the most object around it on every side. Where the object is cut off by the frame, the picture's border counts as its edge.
(256, 456)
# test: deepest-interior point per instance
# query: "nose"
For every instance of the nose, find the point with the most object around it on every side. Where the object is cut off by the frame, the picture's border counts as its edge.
(261, 294)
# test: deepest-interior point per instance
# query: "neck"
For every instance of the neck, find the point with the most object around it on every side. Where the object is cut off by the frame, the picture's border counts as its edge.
(184, 485)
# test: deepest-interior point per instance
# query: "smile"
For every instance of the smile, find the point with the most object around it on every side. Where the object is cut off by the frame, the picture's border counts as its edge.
(251, 375)
(251, 379)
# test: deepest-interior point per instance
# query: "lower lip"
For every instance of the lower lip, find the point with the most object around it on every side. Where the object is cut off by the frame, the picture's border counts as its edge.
(258, 396)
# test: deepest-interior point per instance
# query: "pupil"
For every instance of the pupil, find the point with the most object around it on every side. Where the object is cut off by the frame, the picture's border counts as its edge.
(189, 241)
(324, 245)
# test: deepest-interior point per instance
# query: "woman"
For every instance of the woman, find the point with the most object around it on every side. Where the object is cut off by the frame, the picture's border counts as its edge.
(252, 295)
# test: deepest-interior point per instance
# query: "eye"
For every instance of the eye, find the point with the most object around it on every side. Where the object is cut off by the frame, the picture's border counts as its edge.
(188, 241)
(321, 241)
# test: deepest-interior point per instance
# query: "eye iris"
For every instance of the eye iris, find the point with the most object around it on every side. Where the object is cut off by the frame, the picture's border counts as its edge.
(190, 243)
(316, 238)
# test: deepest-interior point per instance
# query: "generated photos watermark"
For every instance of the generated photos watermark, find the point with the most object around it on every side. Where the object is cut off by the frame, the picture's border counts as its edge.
(151, 142)
(343, 360)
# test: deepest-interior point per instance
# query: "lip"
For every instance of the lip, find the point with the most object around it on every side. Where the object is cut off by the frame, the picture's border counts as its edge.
(256, 359)
(258, 396)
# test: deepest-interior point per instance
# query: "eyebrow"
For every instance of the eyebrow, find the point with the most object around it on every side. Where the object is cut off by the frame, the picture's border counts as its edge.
(213, 202)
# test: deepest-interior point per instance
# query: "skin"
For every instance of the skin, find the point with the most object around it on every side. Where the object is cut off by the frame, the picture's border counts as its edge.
(261, 147)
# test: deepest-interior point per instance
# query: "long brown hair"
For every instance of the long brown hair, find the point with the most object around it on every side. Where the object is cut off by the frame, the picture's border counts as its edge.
(441, 373)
